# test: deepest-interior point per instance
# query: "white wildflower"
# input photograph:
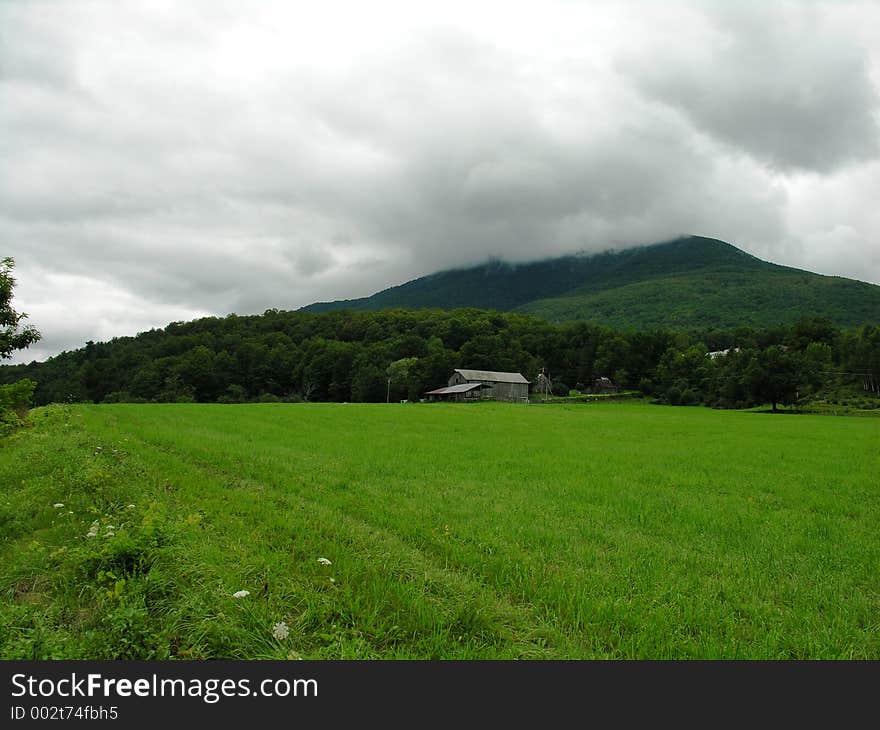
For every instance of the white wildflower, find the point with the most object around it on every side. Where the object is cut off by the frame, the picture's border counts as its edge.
(131, 506)
(332, 580)
(324, 561)
(241, 594)
(280, 631)
(58, 505)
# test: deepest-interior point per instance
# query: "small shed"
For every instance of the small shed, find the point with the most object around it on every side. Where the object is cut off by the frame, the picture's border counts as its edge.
(461, 392)
(604, 385)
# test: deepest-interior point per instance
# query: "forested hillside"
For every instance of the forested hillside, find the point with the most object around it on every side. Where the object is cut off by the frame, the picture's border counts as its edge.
(691, 282)
(350, 356)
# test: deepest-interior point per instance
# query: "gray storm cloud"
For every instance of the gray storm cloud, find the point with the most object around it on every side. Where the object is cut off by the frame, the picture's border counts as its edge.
(164, 162)
(774, 84)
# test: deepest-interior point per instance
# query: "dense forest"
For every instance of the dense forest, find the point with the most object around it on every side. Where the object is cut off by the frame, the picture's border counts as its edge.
(352, 356)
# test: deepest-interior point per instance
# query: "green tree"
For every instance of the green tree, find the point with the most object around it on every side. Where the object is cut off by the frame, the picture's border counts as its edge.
(685, 372)
(775, 376)
(368, 384)
(197, 374)
(863, 355)
(813, 329)
(612, 355)
(14, 402)
(176, 391)
(431, 371)
(15, 397)
(398, 374)
(12, 335)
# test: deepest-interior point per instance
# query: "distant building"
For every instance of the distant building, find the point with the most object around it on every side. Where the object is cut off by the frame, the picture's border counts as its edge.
(605, 385)
(475, 384)
(722, 353)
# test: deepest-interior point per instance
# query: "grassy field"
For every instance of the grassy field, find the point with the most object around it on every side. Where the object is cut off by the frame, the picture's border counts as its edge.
(618, 530)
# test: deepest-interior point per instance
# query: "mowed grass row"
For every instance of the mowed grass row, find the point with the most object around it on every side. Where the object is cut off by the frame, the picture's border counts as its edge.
(454, 531)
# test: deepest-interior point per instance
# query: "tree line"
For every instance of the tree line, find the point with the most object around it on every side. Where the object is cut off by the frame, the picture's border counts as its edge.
(400, 354)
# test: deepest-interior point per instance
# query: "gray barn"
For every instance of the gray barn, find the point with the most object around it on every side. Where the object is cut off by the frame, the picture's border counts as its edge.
(500, 386)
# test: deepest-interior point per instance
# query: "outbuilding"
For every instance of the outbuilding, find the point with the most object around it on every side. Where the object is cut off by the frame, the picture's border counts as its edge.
(605, 385)
(460, 392)
(493, 384)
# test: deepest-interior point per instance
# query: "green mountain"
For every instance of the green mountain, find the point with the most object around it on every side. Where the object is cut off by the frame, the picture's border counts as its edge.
(687, 282)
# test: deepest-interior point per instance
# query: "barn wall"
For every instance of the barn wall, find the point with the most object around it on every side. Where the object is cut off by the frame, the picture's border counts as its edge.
(509, 391)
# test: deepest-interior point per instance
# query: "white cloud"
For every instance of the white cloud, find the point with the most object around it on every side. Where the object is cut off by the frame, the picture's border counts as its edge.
(773, 81)
(163, 160)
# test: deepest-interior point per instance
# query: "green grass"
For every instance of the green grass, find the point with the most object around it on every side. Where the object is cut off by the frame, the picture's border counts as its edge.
(609, 530)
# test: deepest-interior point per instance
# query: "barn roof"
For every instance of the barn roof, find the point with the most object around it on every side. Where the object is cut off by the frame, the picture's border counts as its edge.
(491, 376)
(463, 388)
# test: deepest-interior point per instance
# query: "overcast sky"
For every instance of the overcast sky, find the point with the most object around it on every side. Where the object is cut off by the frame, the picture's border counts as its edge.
(161, 161)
